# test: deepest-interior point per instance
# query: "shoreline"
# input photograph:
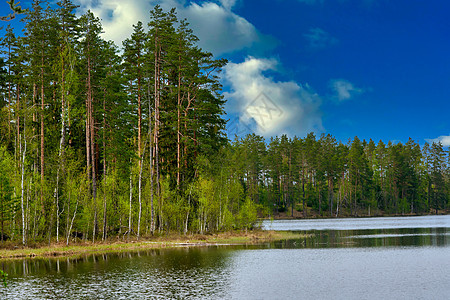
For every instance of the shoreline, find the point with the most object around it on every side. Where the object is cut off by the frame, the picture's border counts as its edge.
(196, 240)
(316, 216)
(12, 250)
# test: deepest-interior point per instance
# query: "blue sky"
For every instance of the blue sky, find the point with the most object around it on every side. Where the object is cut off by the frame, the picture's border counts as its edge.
(380, 68)
(375, 69)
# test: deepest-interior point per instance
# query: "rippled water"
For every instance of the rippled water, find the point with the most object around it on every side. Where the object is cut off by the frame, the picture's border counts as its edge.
(384, 261)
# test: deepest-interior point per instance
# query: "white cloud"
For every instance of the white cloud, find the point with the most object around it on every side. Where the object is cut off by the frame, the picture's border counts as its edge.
(117, 16)
(444, 139)
(275, 107)
(219, 29)
(319, 38)
(228, 4)
(344, 89)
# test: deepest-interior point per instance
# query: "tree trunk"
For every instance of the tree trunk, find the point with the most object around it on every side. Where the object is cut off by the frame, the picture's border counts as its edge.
(56, 195)
(22, 190)
(71, 223)
(131, 197)
(42, 135)
(139, 196)
(104, 169)
(90, 144)
(330, 195)
(9, 97)
(152, 217)
(140, 155)
(157, 111)
(179, 120)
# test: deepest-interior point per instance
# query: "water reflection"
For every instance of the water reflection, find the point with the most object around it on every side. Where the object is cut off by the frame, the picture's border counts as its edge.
(352, 263)
(417, 237)
(176, 273)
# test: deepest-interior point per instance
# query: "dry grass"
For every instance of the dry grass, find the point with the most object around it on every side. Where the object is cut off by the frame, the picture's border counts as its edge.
(13, 250)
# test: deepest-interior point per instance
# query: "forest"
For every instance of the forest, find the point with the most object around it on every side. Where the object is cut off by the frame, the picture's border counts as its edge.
(325, 177)
(98, 141)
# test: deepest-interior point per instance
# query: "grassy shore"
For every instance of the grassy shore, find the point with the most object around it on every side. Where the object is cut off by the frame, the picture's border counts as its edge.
(11, 250)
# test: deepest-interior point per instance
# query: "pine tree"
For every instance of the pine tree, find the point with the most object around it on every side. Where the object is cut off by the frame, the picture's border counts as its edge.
(161, 29)
(381, 166)
(9, 44)
(342, 158)
(329, 164)
(64, 70)
(437, 171)
(134, 55)
(91, 50)
(359, 173)
(40, 51)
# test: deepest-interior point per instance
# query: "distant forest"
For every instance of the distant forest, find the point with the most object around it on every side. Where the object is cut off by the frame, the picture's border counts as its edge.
(331, 178)
(98, 142)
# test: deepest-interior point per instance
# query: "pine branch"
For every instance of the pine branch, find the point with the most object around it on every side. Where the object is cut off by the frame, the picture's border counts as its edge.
(16, 10)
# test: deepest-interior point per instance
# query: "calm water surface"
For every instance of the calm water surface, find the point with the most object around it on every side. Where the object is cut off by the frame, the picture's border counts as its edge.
(390, 258)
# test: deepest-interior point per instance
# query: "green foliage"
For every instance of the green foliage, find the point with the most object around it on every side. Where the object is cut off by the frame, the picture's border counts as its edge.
(8, 203)
(331, 178)
(4, 277)
(94, 119)
(247, 216)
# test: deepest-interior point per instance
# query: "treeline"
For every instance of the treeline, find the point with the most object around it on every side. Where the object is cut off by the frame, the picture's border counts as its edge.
(323, 176)
(97, 141)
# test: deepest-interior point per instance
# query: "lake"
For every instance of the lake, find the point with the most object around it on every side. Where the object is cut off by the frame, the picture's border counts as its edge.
(366, 258)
